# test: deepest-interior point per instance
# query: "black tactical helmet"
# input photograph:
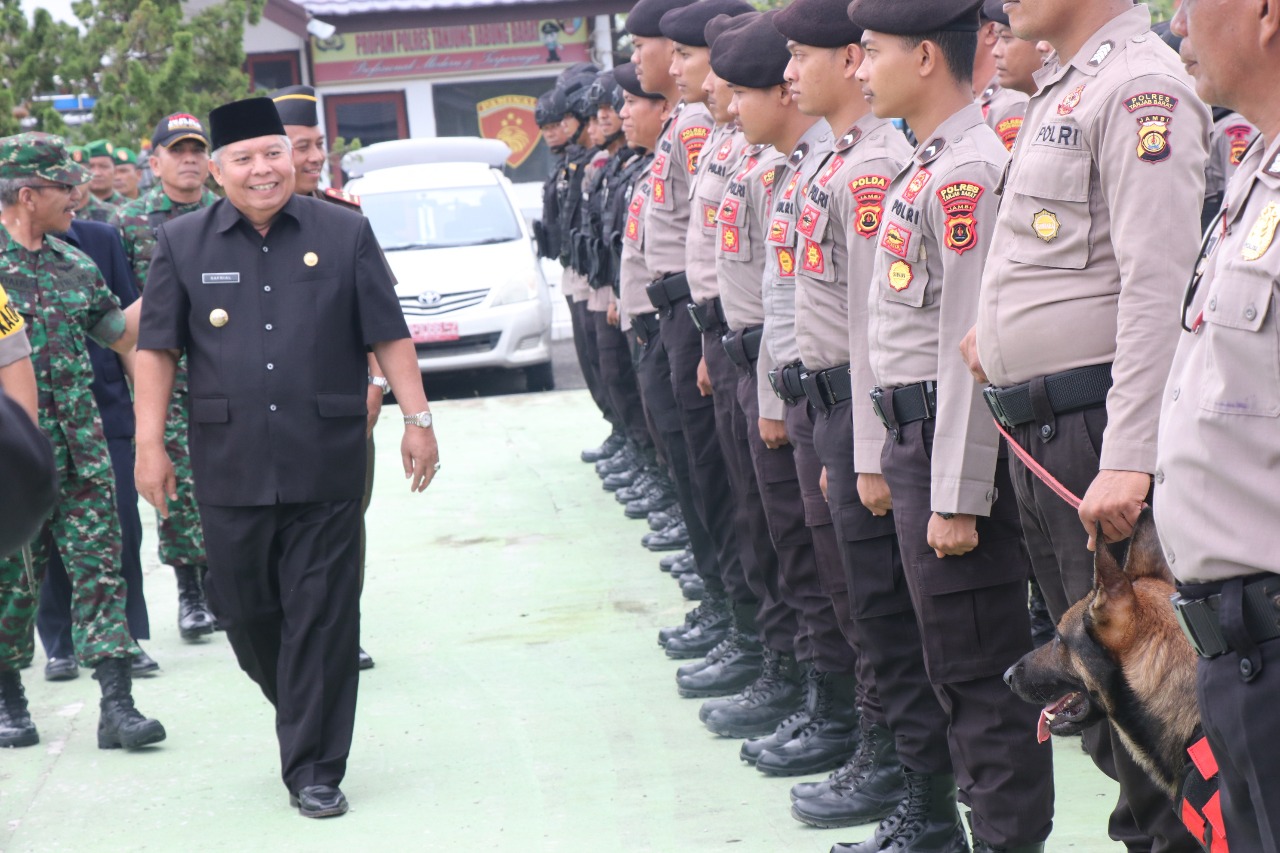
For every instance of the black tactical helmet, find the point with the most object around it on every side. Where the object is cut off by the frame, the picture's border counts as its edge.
(551, 107)
(605, 92)
(577, 91)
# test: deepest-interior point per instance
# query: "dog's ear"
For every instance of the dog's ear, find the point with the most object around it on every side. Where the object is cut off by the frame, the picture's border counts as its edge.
(1113, 595)
(1146, 557)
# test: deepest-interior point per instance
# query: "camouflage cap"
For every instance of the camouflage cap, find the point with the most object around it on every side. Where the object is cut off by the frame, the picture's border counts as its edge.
(124, 156)
(100, 148)
(41, 154)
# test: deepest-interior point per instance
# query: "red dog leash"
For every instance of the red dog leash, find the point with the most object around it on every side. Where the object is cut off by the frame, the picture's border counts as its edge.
(1038, 469)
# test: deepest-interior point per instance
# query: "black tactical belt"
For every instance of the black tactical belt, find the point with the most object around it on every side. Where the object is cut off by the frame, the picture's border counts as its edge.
(826, 388)
(668, 292)
(1200, 620)
(646, 326)
(786, 382)
(709, 316)
(743, 347)
(910, 403)
(1068, 391)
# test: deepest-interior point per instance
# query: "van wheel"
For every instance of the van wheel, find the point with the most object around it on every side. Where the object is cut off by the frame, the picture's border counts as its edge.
(540, 377)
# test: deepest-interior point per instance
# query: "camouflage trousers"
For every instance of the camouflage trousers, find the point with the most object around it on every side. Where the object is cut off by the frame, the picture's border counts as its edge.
(181, 536)
(86, 531)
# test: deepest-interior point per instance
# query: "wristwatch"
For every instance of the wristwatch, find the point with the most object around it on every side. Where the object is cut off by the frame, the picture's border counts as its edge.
(422, 419)
(381, 382)
(946, 516)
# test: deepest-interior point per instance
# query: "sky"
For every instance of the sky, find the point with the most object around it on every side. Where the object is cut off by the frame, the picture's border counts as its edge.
(60, 9)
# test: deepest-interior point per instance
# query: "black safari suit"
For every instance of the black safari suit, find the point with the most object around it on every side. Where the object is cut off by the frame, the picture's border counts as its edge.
(278, 413)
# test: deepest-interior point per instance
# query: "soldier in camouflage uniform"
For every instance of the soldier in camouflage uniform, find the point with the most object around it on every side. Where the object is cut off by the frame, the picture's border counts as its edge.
(180, 160)
(89, 206)
(127, 174)
(102, 171)
(297, 108)
(61, 297)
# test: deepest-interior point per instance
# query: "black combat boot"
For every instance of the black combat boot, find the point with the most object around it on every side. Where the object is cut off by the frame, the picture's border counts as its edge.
(926, 821)
(16, 728)
(626, 458)
(711, 627)
(980, 846)
(611, 445)
(731, 665)
(865, 790)
(775, 695)
(659, 497)
(120, 724)
(194, 618)
(831, 736)
(640, 486)
(786, 730)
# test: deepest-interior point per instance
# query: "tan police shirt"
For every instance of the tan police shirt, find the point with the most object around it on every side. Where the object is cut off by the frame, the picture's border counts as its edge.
(633, 273)
(1230, 136)
(782, 257)
(1099, 220)
(938, 221)
(741, 250)
(1004, 111)
(675, 163)
(719, 158)
(1217, 492)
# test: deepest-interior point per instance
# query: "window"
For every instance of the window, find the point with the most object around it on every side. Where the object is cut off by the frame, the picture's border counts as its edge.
(271, 71)
(441, 218)
(371, 117)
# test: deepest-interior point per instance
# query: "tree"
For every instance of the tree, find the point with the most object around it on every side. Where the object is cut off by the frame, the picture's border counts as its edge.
(140, 60)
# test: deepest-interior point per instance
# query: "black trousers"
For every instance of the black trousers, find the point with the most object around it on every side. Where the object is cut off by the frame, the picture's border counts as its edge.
(653, 373)
(1142, 819)
(713, 493)
(618, 378)
(53, 619)
(834, 647)
(1240, 719)
(974, 624)
(584, 344)
(284, 581)
(862, 538)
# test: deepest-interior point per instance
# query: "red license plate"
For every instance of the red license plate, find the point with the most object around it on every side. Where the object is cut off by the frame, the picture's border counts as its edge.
(431, 333)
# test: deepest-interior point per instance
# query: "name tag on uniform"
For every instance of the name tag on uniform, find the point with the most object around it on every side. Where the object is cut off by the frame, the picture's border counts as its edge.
(220, 278)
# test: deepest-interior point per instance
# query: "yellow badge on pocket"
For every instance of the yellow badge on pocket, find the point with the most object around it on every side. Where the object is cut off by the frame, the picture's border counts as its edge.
(310, 259)
(1262, 233)
(900, 275)
(218, 318)
(1046, 225)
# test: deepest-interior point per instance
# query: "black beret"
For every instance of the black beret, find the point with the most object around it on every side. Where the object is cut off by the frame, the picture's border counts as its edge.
(687, 24)
(241, 120)
(625, 74)
(818, 23)
(753, 55)
(993, 10)
(643, 18)
(720, 23)
(296, 105)
(913, 17)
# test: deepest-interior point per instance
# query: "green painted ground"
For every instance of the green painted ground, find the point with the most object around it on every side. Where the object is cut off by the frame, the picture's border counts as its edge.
(519, 701)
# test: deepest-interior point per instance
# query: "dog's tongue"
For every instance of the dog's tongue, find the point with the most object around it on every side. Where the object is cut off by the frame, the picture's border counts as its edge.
(1047, 713)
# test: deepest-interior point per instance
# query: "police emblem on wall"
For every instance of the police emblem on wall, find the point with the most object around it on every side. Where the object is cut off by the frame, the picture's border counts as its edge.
(510, 119)
(1153, 139)
(868, 191)
(959, 200)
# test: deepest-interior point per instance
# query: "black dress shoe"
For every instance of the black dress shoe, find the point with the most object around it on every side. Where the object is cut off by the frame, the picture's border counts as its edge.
(319, 801)
(143, 664)
(61, 669)
(675, 538)
(611, 445)
(366, 662)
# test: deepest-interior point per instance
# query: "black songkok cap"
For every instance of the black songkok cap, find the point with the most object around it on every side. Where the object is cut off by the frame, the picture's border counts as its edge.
(296, 105)
(687, 24)
(625, 74)
(644, 16)
(753, 55)
(241, 120)
(818, 23)
(993, 10)
(914, 17)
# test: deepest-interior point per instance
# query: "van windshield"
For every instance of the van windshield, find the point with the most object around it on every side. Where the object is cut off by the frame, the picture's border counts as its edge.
(441, 218)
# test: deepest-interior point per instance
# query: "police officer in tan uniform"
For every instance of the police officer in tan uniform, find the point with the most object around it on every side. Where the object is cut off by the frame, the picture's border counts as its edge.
(666, 225)
(1064, 328)
(1216, 500)
(956, 516)
(1004, 108)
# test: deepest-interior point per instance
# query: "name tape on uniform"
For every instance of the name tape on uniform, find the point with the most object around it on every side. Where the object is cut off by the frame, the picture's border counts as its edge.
(220, 278)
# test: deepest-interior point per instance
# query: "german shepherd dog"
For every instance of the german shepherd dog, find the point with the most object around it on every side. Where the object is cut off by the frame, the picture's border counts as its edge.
(1119, 653)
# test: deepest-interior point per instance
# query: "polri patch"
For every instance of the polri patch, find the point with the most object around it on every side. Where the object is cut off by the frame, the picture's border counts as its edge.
(959, 200)
(868, 191)
(1148, 100)
(1153, 139)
